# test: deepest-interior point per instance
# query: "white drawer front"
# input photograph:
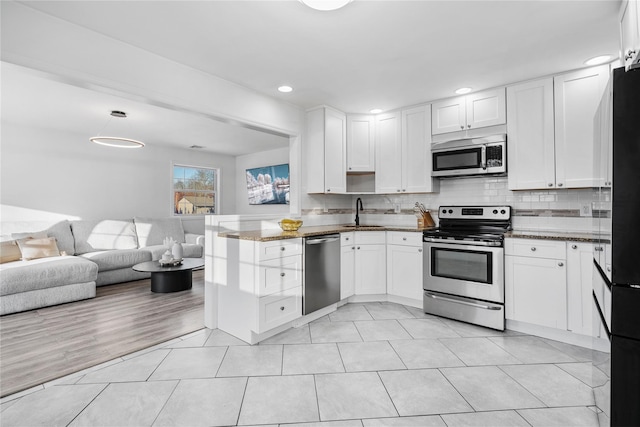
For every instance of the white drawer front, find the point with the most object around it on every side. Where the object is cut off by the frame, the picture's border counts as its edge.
(280, 308)
(279, 274)
(535, 248)
(279, 248)
(347, 239)
(404, 238)
(370, 237)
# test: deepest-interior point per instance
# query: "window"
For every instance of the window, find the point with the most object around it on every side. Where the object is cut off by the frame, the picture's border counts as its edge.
(195, 190)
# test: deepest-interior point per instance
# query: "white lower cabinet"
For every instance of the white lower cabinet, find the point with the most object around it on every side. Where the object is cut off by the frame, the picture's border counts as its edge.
(347, 265)
(259, 286)
(370, 269)
(363, 264)
(536, 291)
(549, 283)
(404, 264)
(579, 287)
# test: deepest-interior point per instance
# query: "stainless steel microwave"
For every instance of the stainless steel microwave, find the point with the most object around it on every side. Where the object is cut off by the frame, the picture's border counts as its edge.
(478, 156)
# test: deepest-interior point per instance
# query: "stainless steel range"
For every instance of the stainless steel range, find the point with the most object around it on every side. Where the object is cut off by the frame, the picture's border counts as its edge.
(464, 264)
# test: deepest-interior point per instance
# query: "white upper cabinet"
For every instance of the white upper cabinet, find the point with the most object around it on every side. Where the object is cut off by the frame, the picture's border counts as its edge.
(576, 99)
(416, 151)
(360, 143)
(449, 115)
(629, 30)
(550, 130)
(477, 110)
(326, 151)
(388, 153)
(530, 135)
(403, 152)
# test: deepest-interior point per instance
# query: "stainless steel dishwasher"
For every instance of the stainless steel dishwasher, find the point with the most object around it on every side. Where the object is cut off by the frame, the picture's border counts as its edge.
(321, 272)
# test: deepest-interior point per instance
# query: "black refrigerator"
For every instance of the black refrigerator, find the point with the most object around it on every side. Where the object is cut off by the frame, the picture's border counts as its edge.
(617, 256)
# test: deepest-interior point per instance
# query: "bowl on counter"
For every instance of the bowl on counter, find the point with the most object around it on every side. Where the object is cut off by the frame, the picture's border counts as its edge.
(290, 224)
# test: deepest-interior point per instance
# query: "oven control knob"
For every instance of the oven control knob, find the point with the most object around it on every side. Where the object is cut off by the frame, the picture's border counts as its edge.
(495, 211)
(503, 212)
(444, 211)
(450, 211)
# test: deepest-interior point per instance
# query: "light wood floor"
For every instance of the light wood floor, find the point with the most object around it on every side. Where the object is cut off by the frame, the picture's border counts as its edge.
(41, 345)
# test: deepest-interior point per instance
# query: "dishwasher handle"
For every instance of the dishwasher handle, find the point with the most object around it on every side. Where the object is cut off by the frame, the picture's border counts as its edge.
(323, 240)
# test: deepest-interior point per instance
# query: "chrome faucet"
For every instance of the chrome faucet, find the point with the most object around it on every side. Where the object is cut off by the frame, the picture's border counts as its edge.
(358, 202)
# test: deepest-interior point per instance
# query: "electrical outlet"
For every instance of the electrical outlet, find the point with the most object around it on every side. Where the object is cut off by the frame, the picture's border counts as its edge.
(397, 208)
(585, 209)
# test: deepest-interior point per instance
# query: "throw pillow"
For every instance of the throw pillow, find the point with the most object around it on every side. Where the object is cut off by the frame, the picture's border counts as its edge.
(9, 251)
(38, 248)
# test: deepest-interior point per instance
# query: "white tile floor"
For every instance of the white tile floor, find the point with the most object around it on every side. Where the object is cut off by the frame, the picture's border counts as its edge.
(374, 364)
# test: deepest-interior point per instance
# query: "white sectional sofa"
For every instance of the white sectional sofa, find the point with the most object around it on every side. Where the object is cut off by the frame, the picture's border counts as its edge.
(92, 253)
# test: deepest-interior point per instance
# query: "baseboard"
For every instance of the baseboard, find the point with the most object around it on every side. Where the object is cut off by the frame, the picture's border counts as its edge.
(567, 337)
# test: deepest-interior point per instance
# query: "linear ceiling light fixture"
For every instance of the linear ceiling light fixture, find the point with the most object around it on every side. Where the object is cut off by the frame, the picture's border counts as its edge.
(116, 141)
(326, 5)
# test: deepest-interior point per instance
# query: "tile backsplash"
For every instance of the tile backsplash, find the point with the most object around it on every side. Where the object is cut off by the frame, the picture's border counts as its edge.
(540, 209)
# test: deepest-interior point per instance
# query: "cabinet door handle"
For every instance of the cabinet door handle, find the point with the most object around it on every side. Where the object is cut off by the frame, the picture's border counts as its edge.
(550, 184)
(599, 248)
(404, 238)
(419, 250)
(469, 126)
(533, 249)
(353, 247)
(609, 269)
(559, 184)
(282, 274)
(560, 264)
(282, 308)
(346, 238)
(398, 190)
(404, 189)
(461, 126)
(328, 190)
(282, 248)
(574, 246)
(358, 247)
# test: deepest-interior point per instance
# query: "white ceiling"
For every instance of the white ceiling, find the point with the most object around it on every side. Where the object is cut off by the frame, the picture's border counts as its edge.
(370, 54)
(33, 100)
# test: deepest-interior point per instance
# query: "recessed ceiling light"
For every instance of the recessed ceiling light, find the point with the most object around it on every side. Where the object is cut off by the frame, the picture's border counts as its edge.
(375, 111)
(463, 90)
(326, 5)
(285, 89)
(598, 60)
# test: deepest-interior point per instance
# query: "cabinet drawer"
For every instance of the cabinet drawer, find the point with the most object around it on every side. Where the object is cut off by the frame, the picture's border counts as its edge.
(278, 309)
(279, 274)
(404, 238)
(347, 239)
(370, 237)
(535, 248)
(279, 248)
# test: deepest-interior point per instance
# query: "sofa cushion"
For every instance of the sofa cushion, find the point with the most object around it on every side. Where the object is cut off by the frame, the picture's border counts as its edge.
(189, 251)
(38, 248)
(43, 273)
(9, 251)
(119, 258)
(103, 235)
(60, 230)
(153, 231)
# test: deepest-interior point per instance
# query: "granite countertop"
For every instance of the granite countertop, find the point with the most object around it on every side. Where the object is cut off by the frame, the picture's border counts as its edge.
(269, 235)
(553, 235)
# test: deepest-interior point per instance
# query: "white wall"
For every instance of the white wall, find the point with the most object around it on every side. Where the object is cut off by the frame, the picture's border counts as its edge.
(50, 175)
(264, 158)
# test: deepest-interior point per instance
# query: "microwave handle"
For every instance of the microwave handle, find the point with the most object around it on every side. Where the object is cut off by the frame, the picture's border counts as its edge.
(483, 157)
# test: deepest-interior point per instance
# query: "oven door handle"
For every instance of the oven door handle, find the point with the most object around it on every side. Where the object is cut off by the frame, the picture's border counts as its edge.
(483, 157)
(472, 304)
(461, 242)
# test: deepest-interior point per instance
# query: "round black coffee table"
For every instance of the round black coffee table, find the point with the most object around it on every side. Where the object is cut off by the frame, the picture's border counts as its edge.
(170, 278)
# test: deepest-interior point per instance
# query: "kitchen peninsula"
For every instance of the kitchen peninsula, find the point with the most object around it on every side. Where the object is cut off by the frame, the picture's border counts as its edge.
(254, 272)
